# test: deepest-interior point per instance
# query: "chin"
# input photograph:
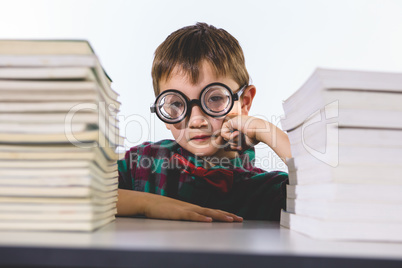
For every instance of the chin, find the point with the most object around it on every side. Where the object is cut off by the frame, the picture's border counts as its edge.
(200, 150)
(203, 151)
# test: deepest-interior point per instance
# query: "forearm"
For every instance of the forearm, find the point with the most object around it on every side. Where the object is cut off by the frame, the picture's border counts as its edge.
(274, 138)
(154, 206)
(130, 202)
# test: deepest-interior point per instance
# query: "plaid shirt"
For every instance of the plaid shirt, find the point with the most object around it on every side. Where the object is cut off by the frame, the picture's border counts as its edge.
(254, 193)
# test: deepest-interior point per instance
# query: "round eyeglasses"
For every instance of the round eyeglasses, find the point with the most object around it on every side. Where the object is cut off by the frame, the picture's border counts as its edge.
(216, 100)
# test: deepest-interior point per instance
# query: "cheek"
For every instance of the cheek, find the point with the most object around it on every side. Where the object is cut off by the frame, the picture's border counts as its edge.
(177, 130)
(236, 110)
(216, 124)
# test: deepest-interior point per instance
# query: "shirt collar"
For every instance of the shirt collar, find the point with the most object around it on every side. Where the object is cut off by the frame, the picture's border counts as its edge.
(244, 161)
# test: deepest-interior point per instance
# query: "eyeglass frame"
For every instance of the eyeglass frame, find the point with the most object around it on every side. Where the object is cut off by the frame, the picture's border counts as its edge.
(235, 97)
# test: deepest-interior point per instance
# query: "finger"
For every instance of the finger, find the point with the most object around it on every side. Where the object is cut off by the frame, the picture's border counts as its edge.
(232, 120)
(194, 216)
(198, 213)
(231, 123)
(216, 215)
(226, 131)
(233, 138)
(236, 141)
(234, 216)
(228, 147)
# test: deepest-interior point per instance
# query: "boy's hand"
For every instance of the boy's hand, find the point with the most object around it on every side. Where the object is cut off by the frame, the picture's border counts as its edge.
(162, 207)
(242, 131)
(172, 209)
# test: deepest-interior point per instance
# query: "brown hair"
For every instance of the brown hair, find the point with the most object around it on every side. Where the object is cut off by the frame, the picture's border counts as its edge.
(189, 46)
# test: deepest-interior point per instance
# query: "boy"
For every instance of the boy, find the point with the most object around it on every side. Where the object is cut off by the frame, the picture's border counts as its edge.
(203, 95)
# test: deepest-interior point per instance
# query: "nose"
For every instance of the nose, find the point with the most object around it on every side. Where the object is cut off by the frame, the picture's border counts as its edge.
(197, 118)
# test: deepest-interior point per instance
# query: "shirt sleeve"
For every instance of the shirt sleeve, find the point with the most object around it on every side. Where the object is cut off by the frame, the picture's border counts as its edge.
(259, 197)
(265, 196)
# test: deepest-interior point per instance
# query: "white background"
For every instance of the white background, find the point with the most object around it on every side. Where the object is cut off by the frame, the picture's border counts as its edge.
(283, 41)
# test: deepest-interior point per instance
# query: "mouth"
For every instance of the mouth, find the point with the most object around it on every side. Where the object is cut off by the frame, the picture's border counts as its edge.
(200, 138)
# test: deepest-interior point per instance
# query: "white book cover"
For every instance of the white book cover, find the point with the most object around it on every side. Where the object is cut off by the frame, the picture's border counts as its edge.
(59, 164)
(343, 230)
(346, 192)
(87, 203)
(346, 210)
(84, 226)
(66, 216)
(47, 73)
(51, 53)
(364, 173)
(100, 184)
(90, 170)
(57, 191)
(55, 207)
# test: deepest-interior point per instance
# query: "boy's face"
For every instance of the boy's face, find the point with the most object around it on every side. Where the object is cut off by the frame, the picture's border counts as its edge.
(200, 133)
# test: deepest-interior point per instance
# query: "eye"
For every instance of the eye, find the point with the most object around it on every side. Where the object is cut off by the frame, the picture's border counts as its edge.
(176, 104)
(215, 98)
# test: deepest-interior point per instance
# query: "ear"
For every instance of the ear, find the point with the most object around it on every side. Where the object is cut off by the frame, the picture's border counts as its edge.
(247, 99)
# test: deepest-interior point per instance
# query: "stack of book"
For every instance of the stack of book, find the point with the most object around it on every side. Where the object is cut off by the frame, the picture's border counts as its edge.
(58, 137)
(345, 174)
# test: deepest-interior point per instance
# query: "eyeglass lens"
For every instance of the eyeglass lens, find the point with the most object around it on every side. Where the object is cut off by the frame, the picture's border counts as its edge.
(172, 106)
(215, 101)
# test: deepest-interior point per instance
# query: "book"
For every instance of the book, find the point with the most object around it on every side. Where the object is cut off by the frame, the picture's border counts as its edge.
(91, 170)
(58, 137)
(104, 185)
(47, 73)
(59, 164)
(67, 128)
(43, 128)
(340, 210)
(343, 173)
(27, 87)
(361, 97)
(43, 117)
(83, 225)
(67, 216)
(15, 96)
(21, 205)
(324, 152)
(318, 135)
(347, 154)
(23, 53)
(346, 192)
(345, 178)
(30, 150)
(54, 96)
(58, 176)
(45, 47)
(87, 203)
(80, 191)
(50, 61)
(90, 61)
(84, 139)
(343, 230)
